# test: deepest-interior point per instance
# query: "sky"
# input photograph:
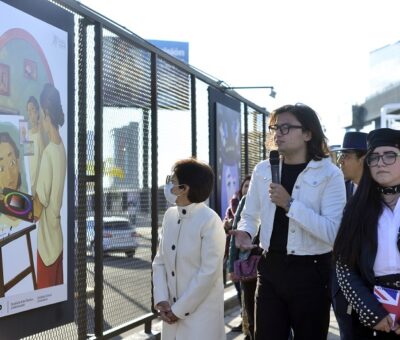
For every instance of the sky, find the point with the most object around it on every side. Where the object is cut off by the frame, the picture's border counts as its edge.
(312, 51)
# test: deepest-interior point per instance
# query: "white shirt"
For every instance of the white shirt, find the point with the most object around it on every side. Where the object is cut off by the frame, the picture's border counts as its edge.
(50, 188)
(387, 260)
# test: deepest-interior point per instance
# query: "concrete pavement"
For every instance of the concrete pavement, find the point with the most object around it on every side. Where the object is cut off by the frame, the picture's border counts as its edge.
(232, 319)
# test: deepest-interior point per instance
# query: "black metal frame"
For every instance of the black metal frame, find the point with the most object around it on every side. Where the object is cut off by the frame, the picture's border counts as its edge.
(91, 18)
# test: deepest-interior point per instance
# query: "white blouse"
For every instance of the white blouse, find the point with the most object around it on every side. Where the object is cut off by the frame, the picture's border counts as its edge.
(387, 259)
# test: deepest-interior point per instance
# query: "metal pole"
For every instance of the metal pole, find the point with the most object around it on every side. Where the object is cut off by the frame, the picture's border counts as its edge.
(98, 183)
(82, 185)
(246, 140)
(154, 165)
(194, 112)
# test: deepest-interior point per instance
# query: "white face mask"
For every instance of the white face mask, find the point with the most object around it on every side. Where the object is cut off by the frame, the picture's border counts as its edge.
(169, 196)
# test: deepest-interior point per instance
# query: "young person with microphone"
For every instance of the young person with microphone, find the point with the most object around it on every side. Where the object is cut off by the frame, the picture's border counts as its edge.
(299, 205)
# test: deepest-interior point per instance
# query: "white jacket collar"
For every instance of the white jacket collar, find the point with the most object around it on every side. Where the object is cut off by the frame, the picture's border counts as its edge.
(187, 210)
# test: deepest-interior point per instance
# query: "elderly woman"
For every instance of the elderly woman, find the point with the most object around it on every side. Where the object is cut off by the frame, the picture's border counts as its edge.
(367, 244)
(187, 270)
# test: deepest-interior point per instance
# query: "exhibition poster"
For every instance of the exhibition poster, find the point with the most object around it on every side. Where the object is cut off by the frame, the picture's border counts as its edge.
(33, 162)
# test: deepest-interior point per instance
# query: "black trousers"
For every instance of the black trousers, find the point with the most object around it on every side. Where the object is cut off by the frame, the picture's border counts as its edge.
(293, 292)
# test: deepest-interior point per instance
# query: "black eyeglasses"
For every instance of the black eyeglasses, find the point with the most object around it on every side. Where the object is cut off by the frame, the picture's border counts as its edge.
(284, 129)
(344, 155)
(388, 158)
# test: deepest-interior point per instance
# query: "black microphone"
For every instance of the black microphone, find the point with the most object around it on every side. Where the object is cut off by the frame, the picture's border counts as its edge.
(274, 161)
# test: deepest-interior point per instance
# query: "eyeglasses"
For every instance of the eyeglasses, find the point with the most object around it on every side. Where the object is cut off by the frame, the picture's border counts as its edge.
(343, 156)
(284, 129)
(388, 158)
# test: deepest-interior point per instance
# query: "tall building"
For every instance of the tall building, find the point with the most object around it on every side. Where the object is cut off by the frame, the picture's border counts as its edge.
(125, 170)
(384, 68)
(384, 90)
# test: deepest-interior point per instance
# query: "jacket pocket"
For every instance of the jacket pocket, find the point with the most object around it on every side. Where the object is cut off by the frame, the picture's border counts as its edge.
(313, 181)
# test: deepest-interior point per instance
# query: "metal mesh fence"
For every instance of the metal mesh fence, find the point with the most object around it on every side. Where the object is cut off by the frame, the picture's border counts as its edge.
(255, 139)
(126, 75)
(127, 160)
(174, 122)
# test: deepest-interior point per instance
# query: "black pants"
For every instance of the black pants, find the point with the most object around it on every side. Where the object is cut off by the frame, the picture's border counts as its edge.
(293, 292)
(238, 292)
(248, 291)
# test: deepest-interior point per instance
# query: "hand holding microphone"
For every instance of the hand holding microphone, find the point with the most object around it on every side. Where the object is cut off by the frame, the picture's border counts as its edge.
(277, 192)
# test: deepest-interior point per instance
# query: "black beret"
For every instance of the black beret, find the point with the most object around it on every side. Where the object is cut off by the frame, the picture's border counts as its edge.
(383, 137)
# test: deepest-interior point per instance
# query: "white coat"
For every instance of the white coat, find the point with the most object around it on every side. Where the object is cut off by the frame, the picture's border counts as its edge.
(187, 272)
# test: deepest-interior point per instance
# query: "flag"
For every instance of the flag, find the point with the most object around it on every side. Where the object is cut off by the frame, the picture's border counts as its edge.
(390, 300)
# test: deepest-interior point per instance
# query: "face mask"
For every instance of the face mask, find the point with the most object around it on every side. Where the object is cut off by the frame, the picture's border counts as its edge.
(169, 196)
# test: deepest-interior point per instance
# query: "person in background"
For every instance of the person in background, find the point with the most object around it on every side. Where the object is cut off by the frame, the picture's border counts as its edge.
(299, 219)
(366, 249)
(228, 225)
(187, 269)
(248, 287)
(351, 160)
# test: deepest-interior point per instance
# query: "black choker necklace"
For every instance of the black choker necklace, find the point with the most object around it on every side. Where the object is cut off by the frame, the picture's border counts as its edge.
(389, 190)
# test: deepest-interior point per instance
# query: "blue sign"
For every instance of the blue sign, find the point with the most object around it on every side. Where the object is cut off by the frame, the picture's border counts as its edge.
(177, 49)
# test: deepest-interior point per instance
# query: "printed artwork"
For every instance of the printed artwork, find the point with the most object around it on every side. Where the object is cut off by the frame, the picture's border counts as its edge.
(33, 162)
(228, 154)
(4, 80)
(30, 69)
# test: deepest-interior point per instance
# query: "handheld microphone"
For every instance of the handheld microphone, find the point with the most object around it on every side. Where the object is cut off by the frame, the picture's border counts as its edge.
(274, 161)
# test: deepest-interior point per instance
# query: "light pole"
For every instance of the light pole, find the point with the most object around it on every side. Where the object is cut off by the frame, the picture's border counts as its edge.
(272, 93)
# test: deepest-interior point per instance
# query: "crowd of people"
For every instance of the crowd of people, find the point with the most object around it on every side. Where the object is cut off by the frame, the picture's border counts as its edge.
(323, 235)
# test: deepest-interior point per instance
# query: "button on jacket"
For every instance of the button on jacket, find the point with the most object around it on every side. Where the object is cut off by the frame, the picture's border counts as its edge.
(314, 216)
(187, 272)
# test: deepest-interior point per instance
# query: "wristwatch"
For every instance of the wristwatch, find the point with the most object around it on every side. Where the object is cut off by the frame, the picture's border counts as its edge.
(289, 204)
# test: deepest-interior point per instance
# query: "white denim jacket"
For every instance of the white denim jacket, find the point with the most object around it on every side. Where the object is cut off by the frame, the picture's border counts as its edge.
(314, 216)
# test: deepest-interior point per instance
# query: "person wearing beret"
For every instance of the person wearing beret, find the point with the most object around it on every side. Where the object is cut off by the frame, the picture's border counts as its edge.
(187, 269)
(350, 158)
(366, 249)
